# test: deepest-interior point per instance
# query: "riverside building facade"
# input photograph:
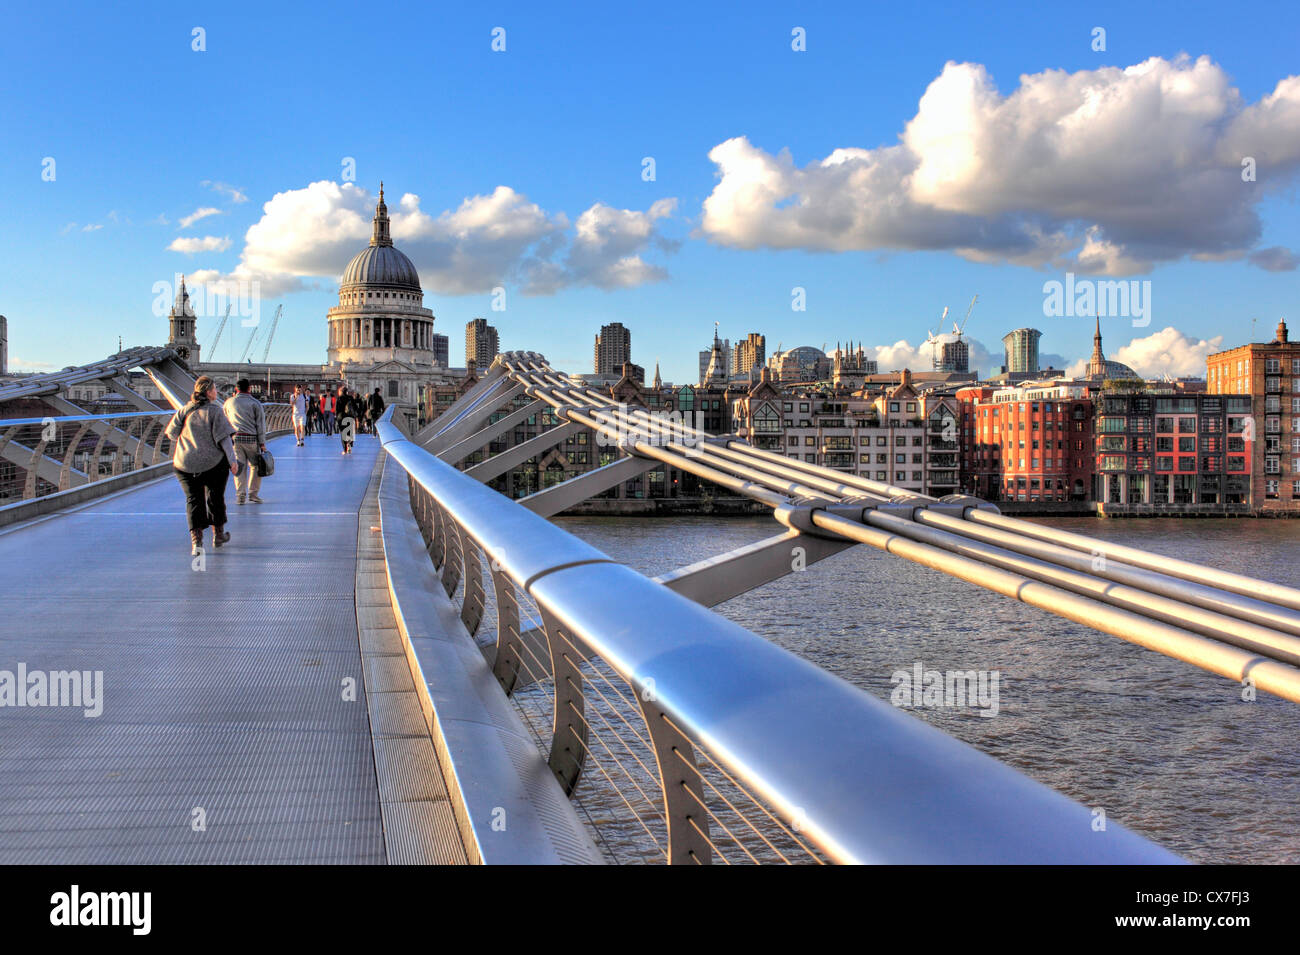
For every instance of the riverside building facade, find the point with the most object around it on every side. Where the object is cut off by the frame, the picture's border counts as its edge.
(1268, 374)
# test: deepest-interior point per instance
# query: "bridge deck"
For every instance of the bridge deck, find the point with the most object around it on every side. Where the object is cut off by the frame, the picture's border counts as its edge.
(223, 688)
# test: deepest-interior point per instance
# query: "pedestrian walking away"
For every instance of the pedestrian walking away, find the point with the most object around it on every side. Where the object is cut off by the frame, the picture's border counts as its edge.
(313, 415)
(375, 408)
(327, 411)
(248, 418)
(298, 402)
(203, 459)
(345, 410)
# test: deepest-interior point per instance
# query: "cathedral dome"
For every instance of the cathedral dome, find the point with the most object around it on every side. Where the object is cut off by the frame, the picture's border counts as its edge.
(381, 264)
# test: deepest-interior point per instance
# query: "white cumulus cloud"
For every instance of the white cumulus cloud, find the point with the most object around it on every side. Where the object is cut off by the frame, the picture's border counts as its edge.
(1168, 352)
(189, 220)
(493, 239)
(1103, 171)
(192, 244)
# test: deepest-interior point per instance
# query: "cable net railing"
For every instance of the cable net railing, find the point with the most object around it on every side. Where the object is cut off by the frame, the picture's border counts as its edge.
(619, 788)
(42, 456)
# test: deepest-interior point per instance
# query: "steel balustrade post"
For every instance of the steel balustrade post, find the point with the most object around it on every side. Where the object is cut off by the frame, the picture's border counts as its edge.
(438, 546)
(120, 453)
(451, 568)
(420, 508)
(683, 789)
(65, 472)
(569, 722)
(471, 607)
(30, 485)
(99, 449)
(138, 458)
(509, 661)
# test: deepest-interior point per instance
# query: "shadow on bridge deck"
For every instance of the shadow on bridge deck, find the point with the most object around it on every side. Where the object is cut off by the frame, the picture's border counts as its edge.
(224, 734)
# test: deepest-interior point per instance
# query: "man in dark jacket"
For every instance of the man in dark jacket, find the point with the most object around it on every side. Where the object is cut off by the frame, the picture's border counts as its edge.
(346, 410)
(375, 407)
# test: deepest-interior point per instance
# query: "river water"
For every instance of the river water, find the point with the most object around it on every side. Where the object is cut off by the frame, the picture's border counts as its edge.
(1164, 748)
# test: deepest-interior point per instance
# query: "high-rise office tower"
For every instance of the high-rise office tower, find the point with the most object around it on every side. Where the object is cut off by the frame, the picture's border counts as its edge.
(1021, 348)
(481, 343)
(613, 349)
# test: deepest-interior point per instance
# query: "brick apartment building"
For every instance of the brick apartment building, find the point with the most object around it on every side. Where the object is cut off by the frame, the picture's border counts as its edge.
(1269, 374)
(1169, 452)
(1031, 444)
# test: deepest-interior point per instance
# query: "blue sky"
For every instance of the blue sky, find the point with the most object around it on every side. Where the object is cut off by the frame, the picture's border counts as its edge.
(137, 122)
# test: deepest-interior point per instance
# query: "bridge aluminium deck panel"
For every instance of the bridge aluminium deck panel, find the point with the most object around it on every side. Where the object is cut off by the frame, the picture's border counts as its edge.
(224, 736)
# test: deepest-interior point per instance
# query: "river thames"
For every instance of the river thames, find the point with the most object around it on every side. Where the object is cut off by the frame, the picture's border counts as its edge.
(1160, 746)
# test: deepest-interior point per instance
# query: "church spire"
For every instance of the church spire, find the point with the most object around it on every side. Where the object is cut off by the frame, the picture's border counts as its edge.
(380, 235)
(182, 304)
(1097, 364)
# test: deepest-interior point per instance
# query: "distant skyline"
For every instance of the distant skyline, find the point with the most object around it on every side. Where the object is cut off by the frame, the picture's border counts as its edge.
(899, 163)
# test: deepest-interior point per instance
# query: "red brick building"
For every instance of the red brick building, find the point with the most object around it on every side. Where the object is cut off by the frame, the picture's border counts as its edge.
(1032, 444)
(1270, 374)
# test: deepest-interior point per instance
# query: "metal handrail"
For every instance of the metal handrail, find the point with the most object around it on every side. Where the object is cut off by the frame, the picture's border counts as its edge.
(860, 779)
(7, 422)
(135, 440)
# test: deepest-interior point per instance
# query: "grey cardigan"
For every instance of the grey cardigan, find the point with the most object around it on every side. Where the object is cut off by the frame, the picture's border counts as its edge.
(202, 435)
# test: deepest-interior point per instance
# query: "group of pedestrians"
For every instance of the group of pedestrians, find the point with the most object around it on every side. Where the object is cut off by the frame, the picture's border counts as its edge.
(325, 413)
(346, 410)
(212, 442)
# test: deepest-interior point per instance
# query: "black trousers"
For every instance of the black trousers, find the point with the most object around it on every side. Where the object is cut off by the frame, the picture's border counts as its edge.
(205, 496)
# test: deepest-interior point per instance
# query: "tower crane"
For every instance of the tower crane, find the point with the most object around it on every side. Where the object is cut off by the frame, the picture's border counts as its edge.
(221, 327)
(248, 348)
(934, 342)
(974, 299)
(275, 322)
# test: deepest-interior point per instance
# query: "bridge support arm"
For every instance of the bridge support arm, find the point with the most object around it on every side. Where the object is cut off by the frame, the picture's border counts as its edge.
(499, 464)
(718, 579)
(481, 439)
(473, 417)
(564, 495)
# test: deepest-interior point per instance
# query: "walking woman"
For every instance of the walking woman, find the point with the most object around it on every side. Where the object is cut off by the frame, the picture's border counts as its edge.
(204, 459)
(346, 411)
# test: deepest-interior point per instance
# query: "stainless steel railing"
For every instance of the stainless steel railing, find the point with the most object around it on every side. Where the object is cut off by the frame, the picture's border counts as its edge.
(42, 456)
(717, 745)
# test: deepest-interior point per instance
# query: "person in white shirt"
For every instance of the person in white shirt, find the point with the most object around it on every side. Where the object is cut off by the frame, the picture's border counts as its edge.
(298, 401)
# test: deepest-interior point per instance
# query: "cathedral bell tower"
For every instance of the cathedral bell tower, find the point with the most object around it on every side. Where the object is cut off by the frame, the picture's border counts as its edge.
(182, 333)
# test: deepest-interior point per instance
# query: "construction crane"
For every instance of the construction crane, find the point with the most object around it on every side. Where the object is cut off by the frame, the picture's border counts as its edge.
(935, 342)
(220, 328)
(271, 334)
(974, 299)
(248, 348)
